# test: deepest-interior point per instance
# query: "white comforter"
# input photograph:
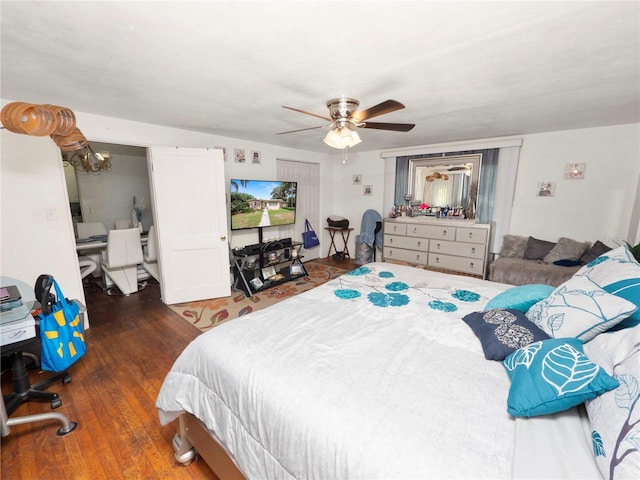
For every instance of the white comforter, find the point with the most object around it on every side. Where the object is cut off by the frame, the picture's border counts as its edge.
(325, 387)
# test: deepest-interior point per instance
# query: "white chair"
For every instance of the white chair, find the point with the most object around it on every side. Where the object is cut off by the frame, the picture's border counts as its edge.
(150, 256)
(123, 224)
(87, 266)
(120, 261)
(89, 229)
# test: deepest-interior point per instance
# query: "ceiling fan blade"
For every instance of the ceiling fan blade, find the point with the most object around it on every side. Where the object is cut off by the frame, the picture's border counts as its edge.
(387, 106)
(308, 113)
(302, 129)
(396, 127)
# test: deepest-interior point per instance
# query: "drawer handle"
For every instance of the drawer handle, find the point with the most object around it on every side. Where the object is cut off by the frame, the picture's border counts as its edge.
(419, 243)
(391, 240)
(415, 229)
(418, 256)
(438, 246)
(437, 259)
(444, 233)
(470, 234)
(471, 265)
(473, 249)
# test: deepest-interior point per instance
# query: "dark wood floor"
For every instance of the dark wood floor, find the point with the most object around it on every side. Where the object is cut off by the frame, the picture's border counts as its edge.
(132, 343)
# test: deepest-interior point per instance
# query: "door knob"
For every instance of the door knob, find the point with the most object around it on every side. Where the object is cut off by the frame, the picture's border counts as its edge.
(223, 238)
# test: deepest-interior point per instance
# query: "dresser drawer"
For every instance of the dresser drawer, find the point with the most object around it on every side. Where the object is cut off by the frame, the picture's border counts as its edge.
(410, 243)
(457, 248)
(471, 235)
(459, 264)
(432, 231)
(411, 256)
(395, 228)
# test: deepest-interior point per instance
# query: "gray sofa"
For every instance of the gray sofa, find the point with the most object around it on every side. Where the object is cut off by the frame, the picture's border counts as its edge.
(527, 260)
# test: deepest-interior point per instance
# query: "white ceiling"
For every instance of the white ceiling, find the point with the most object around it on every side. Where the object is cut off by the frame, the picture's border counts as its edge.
(464, 70)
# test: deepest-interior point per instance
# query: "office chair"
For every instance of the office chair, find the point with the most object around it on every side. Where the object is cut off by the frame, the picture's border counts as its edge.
(23, 390)
(150, 254)
(122, 257)
(90, 229)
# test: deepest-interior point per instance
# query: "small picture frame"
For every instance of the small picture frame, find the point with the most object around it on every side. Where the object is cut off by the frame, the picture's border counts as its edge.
(357, 179)
(273, 257)
(256, 158)
(367, 190)
(256, 283)
(546, 189)
(224, 153)
(268, 272)
(239, 155)
(574, 171)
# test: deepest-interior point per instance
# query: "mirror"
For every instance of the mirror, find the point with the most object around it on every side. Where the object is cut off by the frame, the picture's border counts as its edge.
(445, 183)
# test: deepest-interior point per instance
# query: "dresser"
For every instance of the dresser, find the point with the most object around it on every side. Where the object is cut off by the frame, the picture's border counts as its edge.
(447, 245)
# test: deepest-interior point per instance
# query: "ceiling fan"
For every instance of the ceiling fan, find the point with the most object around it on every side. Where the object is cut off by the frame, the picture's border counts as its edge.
(344, 118)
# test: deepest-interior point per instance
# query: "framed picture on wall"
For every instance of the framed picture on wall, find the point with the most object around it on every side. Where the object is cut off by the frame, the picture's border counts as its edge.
(239, 155)
(357, 179)
(546, 189)
(367, 190)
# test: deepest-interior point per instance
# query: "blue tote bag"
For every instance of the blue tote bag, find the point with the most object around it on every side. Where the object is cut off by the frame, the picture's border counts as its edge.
(61, 333)
(309, 237)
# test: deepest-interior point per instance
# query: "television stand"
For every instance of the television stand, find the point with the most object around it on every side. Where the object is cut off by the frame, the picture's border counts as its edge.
(261, 266)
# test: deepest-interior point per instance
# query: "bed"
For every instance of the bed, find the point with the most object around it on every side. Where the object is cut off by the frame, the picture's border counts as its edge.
(371, 375)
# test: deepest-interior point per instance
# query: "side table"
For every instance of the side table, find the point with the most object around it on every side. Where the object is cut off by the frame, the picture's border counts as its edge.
(344, 232)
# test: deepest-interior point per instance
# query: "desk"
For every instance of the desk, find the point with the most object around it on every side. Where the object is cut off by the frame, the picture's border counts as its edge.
(344, 232)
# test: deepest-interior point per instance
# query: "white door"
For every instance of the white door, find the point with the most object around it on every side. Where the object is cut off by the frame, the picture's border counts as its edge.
(191, 223)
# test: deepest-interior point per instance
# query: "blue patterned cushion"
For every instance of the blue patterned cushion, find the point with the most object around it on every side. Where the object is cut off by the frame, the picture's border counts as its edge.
(552, 376)
(521, 297)
(618, 273)
(502, 332)
(579, 309)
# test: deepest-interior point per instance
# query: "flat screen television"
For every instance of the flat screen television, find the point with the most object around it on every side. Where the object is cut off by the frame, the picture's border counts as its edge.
(262, 203)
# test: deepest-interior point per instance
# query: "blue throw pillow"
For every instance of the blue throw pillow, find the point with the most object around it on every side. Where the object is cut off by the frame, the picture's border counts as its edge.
(552, 376)
(520, 298)
(502, 332)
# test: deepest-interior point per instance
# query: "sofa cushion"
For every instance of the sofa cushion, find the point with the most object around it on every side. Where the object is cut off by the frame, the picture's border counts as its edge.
(513, 246)
(566, 249)
(537, 249)
(594, 252)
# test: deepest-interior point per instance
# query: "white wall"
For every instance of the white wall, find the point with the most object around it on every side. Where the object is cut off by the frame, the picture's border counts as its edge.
(596, 208)
(33, 186)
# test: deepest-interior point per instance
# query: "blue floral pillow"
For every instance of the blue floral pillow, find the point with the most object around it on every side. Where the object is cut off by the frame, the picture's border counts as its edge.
(617, 272)
(521, 297)
(579, 308)
(552, 376)
(502, 332)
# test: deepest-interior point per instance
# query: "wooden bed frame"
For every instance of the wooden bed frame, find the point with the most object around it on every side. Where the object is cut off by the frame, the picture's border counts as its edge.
(192, 437)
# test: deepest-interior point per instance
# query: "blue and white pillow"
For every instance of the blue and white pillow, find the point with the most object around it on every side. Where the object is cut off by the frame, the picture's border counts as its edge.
(503, 331)
(551, 376)
(579, 308)
(617, 272)
(614, 416)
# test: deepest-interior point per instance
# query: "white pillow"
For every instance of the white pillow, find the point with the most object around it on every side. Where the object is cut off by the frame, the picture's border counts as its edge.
(614, 416)
(578, 308)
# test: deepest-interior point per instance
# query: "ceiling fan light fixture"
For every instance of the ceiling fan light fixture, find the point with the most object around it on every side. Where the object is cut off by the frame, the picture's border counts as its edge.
(342, 138)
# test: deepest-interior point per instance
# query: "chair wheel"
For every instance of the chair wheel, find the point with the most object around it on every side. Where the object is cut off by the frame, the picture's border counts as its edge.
(56, 403)
(66, 379)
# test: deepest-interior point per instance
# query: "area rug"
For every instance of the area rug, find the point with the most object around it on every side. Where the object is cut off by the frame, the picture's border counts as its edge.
(206, 314)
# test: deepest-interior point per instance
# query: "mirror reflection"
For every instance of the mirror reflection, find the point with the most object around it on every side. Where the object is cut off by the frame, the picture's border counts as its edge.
(444, 186)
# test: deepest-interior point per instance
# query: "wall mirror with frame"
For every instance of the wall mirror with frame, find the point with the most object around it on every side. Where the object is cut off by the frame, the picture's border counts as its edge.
(445, 182)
